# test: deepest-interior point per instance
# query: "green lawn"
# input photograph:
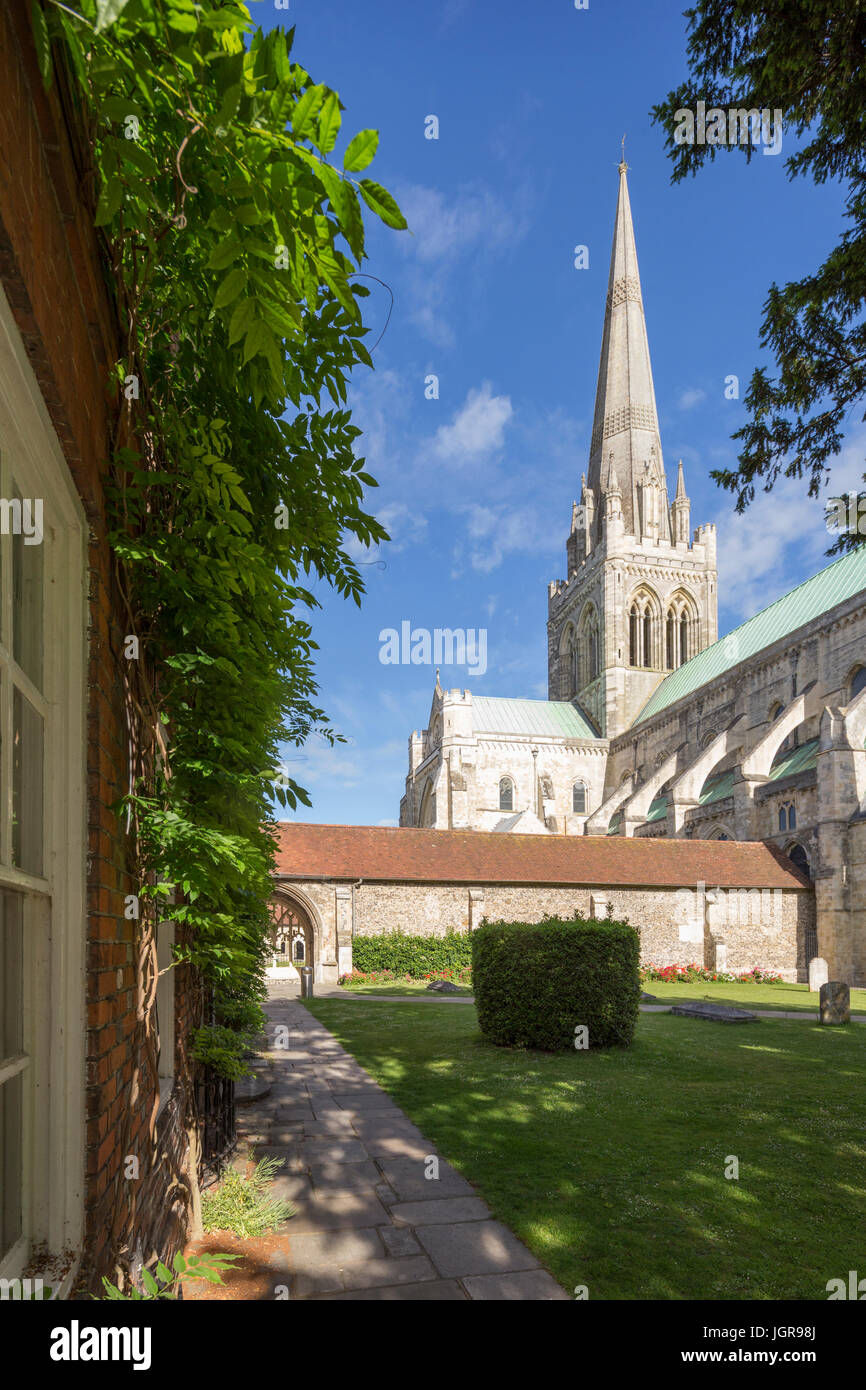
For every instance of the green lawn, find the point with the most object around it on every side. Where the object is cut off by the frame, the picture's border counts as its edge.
(401, 987)
(793, 997)
(610, 1165)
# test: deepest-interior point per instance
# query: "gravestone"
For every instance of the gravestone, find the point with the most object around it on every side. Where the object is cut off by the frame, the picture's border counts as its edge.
(443, 987)
(835, 1002)
(819, 973)
(719, 1013)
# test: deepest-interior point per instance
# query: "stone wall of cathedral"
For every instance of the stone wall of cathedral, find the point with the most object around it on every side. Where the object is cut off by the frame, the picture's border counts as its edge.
(765, 930)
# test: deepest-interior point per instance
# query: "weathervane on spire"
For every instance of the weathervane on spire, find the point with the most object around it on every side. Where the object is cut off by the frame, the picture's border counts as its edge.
(622, 164)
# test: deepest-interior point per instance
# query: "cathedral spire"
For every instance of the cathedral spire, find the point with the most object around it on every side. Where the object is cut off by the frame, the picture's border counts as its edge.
(625, 430)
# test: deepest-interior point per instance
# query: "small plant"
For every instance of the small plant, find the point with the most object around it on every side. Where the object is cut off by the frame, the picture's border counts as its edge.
(165, 1281)
(242, 1204)
(693, 974)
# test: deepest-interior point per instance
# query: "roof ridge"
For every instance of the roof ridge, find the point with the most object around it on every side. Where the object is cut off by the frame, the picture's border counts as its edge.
(679, 682)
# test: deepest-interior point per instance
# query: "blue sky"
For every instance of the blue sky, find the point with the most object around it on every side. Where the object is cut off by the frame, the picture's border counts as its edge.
(476, 487)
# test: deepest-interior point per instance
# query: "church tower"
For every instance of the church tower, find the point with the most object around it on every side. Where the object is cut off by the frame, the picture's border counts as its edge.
(639, 598)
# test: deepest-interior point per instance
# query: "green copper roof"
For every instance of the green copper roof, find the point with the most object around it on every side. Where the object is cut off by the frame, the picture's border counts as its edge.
(717, 787)
(658, 808)
(809, 600)
(499, 716)
(802, 759)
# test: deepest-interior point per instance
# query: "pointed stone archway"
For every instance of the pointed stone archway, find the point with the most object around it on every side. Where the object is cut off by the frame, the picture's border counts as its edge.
(295, 932)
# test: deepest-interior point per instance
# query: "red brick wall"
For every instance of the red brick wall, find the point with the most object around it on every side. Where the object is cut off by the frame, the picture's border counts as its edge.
(52, 272)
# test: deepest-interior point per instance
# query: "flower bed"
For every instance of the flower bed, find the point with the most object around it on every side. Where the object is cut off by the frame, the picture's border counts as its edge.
(690, 974)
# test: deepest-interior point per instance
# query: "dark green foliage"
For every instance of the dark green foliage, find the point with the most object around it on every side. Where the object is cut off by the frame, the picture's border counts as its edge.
(805, 60)
(534, 984)
(233, 240)
(411, 955)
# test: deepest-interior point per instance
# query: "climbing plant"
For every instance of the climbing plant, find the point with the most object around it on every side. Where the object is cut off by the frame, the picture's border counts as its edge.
(232, 236)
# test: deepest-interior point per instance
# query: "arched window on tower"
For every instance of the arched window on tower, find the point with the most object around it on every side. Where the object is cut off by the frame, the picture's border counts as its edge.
(684, 638)
(671, 642)
(506, 794)
(647, 638)
(798, 856)
(578, 798)
(633, 636)
(858, 683)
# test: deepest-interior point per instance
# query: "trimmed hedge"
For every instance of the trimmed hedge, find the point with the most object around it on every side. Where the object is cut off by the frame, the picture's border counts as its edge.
(411, 955)
(535, 983)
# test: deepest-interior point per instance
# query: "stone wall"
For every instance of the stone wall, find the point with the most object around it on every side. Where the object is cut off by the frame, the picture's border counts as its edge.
(677, 925)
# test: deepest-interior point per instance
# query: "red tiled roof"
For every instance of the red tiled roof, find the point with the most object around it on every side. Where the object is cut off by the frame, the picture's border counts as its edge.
(476, 856)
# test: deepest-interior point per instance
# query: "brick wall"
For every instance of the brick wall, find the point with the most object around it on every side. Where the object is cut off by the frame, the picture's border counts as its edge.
(53, 275)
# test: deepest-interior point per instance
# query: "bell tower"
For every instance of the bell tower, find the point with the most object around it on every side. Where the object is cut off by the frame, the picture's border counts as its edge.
(639, 598)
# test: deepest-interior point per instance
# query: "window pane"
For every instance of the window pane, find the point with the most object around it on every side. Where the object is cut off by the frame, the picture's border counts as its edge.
(27, 740)
(10, 1162)
(27, 587)
(11, 976)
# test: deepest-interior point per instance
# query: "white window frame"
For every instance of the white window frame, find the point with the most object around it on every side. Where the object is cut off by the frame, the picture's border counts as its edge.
(55, 910)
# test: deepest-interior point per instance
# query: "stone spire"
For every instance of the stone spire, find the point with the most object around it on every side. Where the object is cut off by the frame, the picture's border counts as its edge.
(625, 430)
(680, 511)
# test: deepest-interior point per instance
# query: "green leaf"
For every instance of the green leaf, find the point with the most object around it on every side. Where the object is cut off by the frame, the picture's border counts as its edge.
(42, 41)
(329, 123)
(306, 110)
(230, 103)
(109, 201)
(381, 202)
(107, 11)
(231, 287)
(241, 319)
(149, 1282)
(360, 151)
(224, 254)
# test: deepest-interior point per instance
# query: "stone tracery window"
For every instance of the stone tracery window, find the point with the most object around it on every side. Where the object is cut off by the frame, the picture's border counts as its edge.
(506, 794)
(642, 625)
(578, 798)
(679, 631)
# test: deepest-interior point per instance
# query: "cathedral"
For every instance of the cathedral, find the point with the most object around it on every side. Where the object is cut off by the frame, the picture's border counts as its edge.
(653, 726)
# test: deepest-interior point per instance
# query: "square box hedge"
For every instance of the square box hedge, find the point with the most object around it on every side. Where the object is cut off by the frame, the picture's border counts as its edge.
(536, 983)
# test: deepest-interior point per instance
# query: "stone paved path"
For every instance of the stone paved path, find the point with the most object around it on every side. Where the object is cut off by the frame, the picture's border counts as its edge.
(370, 1224)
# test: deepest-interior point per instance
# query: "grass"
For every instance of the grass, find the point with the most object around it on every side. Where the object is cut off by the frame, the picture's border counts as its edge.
(795, 998)
(610, 1165)
(245, 1205)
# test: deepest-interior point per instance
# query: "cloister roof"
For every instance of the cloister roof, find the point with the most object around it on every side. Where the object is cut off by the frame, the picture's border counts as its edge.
(350, 852)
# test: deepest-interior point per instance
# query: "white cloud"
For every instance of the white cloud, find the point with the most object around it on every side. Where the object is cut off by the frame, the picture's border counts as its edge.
(780, 539)
(478, 428)
(690, 398)
(444, 228)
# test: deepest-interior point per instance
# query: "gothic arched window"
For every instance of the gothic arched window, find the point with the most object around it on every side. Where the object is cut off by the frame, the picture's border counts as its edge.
(671, 642)
(792, 816)
(647, 638)
(798, 856)
(578, 798)
(783, 818)
(506, 794)
(633, 636)
(684, 639)
(858, 683)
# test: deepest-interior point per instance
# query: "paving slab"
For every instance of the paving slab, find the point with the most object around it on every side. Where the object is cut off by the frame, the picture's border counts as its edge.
(475, 1247)
(438, 1291)
(439, 1212)
(370, 1223)
(533, 1284)
(407, 1177)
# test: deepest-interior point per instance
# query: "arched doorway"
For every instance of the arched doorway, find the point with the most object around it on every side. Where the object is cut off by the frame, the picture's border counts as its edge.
(293, 937)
